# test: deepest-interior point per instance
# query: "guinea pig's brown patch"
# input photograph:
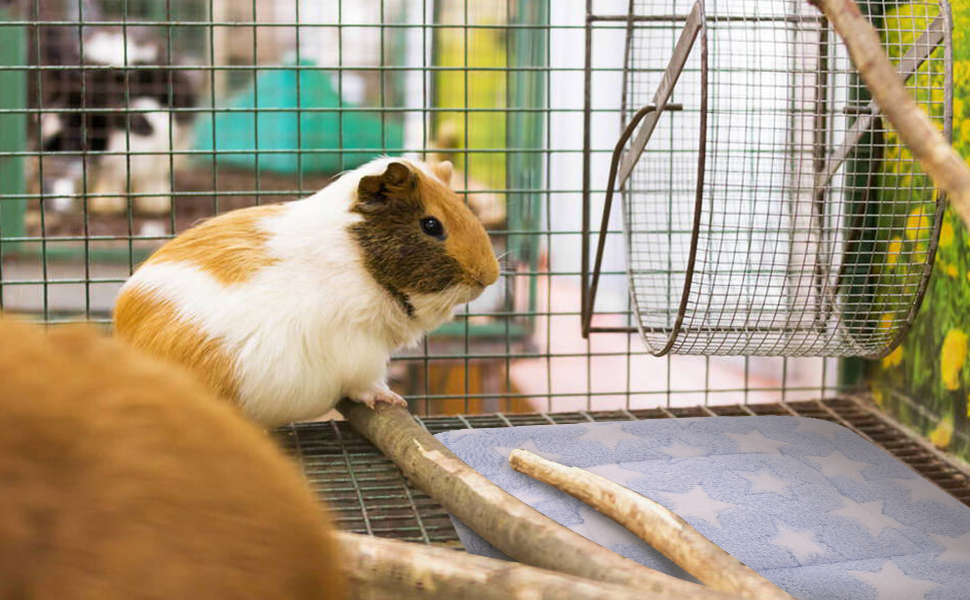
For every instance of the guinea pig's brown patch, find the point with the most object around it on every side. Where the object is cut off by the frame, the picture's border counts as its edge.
(153, 326)
(467, 240)
(395, 250)
(231, 247)
(123, 479)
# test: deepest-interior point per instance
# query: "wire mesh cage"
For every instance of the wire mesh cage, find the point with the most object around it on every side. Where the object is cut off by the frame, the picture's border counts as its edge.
(125, 122)
(767, 206)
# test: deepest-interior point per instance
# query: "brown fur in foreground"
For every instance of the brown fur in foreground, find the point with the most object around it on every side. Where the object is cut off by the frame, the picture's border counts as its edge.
(120, 478)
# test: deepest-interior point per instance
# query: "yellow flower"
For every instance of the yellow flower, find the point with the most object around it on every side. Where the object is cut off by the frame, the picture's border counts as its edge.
(940, 437)
(886, 321)
(917, 224)
(893, 358)
(892, 253)
(961, 71)
(878, 397)
(958, 106)
(920, 255)
(949, 268)
(946, 233)
(952, 355)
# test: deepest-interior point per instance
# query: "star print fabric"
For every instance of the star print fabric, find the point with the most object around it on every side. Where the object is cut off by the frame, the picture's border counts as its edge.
(808, 504)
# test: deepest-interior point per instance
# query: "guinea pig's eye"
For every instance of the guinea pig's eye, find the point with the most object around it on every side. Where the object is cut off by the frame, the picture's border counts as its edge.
(433, 227)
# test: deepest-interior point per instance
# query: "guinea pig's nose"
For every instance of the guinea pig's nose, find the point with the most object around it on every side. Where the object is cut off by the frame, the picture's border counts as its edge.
(486, 276)
(492, 272)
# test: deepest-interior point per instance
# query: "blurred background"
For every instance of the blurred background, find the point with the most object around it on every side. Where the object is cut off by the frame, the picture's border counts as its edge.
(123, 122)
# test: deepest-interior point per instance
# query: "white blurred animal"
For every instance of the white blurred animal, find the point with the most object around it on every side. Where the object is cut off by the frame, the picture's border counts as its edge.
(139, 155)
(90, 114)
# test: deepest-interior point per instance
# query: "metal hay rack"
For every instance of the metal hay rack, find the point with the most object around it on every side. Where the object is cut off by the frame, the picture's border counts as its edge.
(768, 208)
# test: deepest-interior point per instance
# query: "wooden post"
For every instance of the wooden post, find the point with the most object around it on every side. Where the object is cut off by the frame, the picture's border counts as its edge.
(927, 144)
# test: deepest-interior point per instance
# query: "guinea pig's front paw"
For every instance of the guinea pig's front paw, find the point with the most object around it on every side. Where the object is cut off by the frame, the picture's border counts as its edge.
(379, 394)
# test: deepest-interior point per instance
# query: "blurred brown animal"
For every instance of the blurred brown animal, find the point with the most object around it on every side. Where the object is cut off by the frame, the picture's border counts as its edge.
(121, 478)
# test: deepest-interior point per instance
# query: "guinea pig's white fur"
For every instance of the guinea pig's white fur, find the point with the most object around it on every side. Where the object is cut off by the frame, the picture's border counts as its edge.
(315, 291)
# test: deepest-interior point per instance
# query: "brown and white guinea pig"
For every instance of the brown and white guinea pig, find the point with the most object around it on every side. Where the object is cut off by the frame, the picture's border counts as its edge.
(287, 308)
(121, 477)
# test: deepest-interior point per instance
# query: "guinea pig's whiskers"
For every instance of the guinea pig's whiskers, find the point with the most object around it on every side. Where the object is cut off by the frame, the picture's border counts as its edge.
(505, 262)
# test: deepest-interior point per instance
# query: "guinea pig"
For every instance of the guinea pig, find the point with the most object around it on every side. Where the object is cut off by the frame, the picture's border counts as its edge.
(122, 478)
(287, 308)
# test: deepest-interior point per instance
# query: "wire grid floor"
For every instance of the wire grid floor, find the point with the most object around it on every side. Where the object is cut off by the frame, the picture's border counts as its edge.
(367, 493)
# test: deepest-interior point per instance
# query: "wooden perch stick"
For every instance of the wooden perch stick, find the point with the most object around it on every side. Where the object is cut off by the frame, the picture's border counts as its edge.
(927, 144)
(510, 525)
(379, 569)
(654, 524)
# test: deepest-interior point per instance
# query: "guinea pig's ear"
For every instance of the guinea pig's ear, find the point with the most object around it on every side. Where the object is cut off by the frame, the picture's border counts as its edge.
(396, 182)
(443, 171)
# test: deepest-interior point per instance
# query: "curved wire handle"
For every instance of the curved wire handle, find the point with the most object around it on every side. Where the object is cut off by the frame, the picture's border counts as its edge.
(693, 25)
(607, 207)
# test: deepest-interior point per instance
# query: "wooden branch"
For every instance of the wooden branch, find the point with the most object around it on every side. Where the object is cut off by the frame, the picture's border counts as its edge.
(510, 525)
(378, 569)
(926, 143)
(654, 524)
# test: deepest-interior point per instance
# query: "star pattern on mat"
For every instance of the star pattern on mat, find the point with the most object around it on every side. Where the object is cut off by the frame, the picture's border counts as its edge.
(837, 464)
(678, 449)
(891, 583)
(534, 494)
(697, 504)
(530, 445)
(765, 481)
(615, 473)
(819, 426)
(801, 544)
(955, 549)
(602, 529)
(920, 489)
(755, 441)
(869, 514)
(610, 434)
(454, 436)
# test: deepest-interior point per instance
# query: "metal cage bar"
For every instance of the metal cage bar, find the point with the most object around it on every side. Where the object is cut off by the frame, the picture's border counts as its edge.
(496, 87)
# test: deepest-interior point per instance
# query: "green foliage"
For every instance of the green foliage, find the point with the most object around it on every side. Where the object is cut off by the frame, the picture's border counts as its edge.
(932, 367)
